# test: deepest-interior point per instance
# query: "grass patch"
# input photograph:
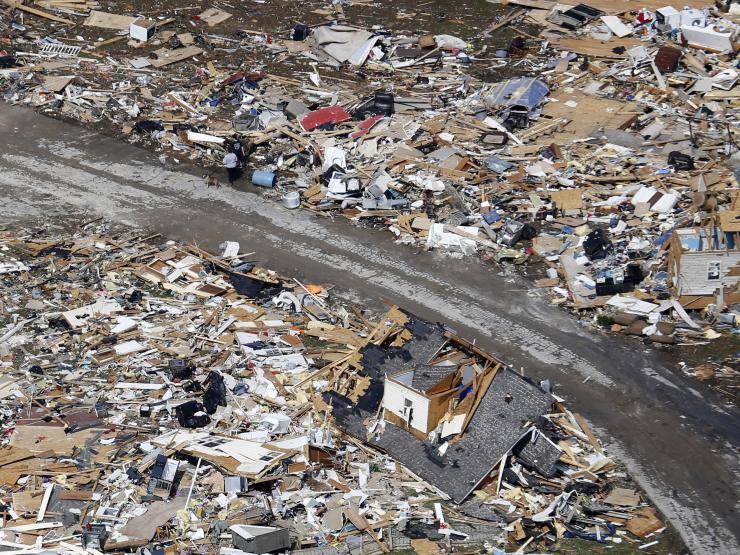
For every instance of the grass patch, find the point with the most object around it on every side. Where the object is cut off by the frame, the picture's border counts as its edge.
(314, 343)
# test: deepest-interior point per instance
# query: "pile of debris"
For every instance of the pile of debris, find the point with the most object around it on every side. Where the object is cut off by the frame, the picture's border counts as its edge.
(608, 162)
(156, 397)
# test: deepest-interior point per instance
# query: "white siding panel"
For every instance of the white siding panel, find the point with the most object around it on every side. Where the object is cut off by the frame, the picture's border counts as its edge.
(694, 267)
(393, 401)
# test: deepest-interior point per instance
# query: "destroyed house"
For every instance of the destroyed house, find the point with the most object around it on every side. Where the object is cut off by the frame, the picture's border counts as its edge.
(704, 263)
(416, 399)
(351, 414)
(449, 411)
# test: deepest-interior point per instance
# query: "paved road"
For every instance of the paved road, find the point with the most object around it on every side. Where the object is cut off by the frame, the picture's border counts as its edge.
(673, 434)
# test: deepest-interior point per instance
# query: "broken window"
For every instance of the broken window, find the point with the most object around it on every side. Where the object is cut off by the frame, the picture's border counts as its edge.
(713, 270)
(214, 442)
(269, 456)
(408, 410)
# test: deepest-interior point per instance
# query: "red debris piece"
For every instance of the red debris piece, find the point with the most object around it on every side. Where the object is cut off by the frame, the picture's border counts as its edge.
(365, 126)
(317, 118)
(239, 75)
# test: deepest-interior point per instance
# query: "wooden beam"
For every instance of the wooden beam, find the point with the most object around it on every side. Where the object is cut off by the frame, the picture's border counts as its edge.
(481, 389)
(587, 430)
(471, 347)
(39, 13)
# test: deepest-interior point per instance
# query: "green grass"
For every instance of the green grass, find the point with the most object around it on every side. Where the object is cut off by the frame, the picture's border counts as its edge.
(669, 543)
(312, 342)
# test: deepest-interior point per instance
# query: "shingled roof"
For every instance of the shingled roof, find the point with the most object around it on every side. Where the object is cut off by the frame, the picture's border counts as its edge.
(507, 411)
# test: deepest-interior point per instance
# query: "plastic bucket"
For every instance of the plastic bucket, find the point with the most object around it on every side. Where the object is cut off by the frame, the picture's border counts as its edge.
(291, 199)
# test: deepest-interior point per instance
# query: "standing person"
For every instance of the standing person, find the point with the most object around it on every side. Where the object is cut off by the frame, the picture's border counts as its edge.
(241, 154)
(429, 203)
(231, 163)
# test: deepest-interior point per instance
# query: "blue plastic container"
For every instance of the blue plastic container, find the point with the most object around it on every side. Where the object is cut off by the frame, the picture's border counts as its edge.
(263, 178)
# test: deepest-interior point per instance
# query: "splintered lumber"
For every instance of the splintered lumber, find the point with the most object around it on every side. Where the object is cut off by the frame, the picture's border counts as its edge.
(39, 13)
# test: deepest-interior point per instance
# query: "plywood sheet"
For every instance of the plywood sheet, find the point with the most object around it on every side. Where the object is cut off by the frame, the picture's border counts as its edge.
(568, 199)
(167, 57)
(729, 220)
(214, 16)
(586, 113)
(27, 501)
(106, 20)
(623, 497)
(55, 83)
(38, 439)
(596, 48)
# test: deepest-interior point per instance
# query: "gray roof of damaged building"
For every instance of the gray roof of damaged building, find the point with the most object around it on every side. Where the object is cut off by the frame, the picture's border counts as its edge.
(539, 453)
(497, 426)
(427, 376)
(506, 411)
